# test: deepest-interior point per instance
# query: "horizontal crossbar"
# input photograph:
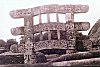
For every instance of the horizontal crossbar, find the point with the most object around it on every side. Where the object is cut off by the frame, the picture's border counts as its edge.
(53, 8)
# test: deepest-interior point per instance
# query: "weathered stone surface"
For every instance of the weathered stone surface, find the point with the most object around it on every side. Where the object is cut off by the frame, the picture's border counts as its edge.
(95, 32)
(54, 8)
(49, 26)
(79, 26)
(82, 26)
(94, 29)
(11, 58)
(54, 40)
(76, 56)
(53, 44)
(17, 31)
(83, 62)
(28, 65)
(29, 55)
(95, 35)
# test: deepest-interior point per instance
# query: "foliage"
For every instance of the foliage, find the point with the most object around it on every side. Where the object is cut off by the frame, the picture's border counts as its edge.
(14, 48)
(10, 42)
(2, 43)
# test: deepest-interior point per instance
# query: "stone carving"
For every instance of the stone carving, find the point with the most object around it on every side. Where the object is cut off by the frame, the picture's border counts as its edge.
(95, 35)
(70, 28)
(17, 31)
(49, 26)
(21, 13)
(79, 26)
(82, 26)
(53, 44)
(94, 32)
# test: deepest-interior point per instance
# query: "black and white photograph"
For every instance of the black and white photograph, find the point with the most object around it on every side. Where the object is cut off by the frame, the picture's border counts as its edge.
(49, 33)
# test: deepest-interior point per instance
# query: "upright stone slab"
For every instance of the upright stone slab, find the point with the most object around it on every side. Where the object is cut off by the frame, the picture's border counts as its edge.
(70, 32)
(29, 54)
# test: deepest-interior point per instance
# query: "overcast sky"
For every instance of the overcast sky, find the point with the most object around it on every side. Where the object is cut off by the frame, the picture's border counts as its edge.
(6, 22)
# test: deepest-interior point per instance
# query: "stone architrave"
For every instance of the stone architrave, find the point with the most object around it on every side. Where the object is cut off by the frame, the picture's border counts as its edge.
(21, 13)
(79, 26)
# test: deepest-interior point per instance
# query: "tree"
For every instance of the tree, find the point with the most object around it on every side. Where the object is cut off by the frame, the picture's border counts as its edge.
(14, 48)
(2, 43)
(10, 42)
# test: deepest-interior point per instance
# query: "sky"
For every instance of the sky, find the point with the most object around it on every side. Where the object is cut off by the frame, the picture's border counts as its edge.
(6, 22)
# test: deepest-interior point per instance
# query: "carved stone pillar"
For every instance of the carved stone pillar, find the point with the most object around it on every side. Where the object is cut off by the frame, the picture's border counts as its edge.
(58, 31)
(48, 20)
(41, 36)
(57, 17)
(70, 33)
(40, 22)
(29, 54)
